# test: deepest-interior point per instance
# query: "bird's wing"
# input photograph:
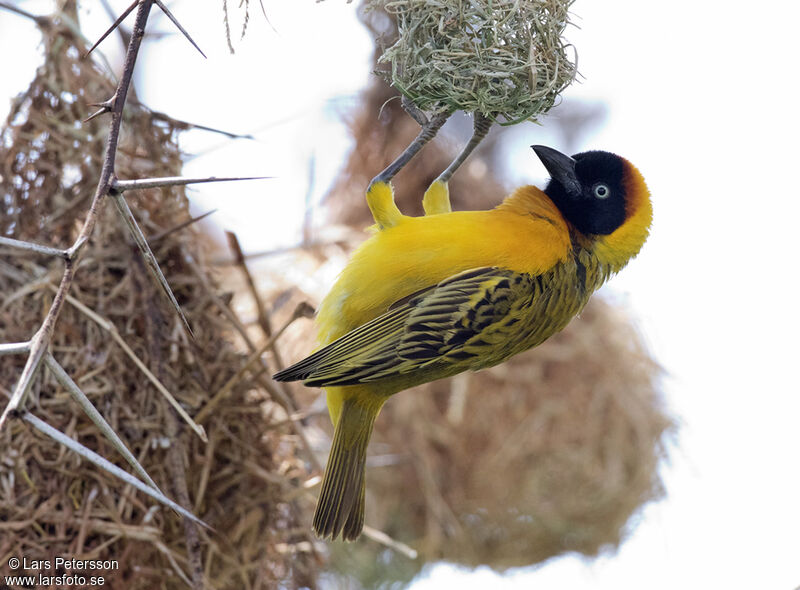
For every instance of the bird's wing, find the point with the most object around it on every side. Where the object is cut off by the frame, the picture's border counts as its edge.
(448, 323)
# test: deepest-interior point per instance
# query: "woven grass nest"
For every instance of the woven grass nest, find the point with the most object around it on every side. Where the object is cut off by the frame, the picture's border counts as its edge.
(505, 59)
(243, 482)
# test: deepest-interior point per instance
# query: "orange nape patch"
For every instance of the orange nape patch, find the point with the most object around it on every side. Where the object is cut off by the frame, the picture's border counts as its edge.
(617, 248)
(637, 195)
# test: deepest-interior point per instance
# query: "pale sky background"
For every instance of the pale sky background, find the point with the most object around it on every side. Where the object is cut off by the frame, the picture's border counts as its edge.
(703, 98)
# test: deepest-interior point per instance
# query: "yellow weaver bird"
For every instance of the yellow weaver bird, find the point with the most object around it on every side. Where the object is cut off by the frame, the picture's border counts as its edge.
(429, 297)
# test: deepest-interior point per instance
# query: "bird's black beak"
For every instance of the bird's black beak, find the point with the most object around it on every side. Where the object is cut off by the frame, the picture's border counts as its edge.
(560, 167)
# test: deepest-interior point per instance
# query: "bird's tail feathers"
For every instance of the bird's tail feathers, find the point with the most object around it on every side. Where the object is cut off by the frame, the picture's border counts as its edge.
(340, 507)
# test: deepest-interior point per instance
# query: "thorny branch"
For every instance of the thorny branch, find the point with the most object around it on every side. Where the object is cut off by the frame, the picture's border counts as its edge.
(41, 340)
(108, 185)
(37, 348)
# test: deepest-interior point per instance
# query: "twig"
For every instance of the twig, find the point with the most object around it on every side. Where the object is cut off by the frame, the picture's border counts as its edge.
(171, 558)
(66, 381)
(200, 489)
(281, 398)
(39, 20)
(36, 352)
(144, 183)
(223, 307)
(175, 22)
(87, 508)
(106, 465)
(105, 107)
(186, 125)
(255, 357)
(276, 251)
(110, 30)
(268, 384)
(124, 36)
(112, 329)
(31, 247)
(263, 318)
(14, 348)
(180, 226)
(177, 470)
(297, 417)
(149, 258)
(41, 340)
(384, 539)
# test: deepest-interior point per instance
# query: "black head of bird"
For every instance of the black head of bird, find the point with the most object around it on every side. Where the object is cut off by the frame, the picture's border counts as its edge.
(588, 188)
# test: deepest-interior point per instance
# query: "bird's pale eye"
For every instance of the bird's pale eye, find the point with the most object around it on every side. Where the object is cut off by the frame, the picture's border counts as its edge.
(601, 190)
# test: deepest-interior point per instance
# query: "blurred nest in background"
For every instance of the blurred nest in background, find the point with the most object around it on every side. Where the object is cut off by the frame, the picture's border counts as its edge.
(244, 481)
(505, 59)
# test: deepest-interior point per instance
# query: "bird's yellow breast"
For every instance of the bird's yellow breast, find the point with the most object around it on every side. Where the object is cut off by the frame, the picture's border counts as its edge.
(526, 233)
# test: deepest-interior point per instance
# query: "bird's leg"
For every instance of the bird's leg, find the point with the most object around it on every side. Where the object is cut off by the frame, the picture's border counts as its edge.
(380, 196)
(481, 126)
(413, 111)
(429, 130)
(437, 197)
